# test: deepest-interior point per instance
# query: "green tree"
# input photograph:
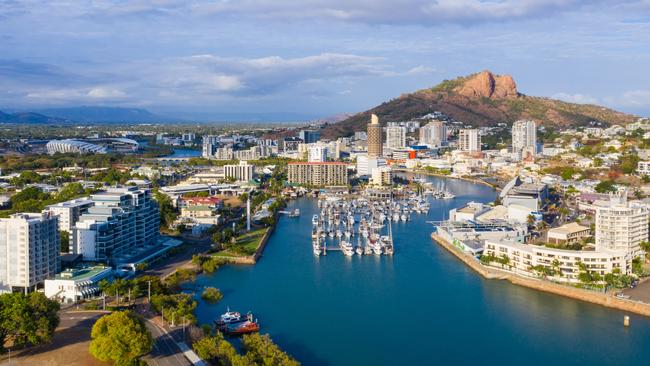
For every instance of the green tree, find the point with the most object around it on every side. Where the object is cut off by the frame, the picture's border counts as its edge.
(121, 337)
(65, 241)
(175, 307)
(605, 187)
(261, 350)
(212, 295)
(27, 319)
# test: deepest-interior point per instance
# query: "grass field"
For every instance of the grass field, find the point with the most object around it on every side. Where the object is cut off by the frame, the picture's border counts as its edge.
(246, 244)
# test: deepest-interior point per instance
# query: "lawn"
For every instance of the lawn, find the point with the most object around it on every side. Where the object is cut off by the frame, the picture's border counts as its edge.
(246, 244)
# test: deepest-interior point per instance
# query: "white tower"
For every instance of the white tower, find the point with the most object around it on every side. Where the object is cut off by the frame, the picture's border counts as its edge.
(248, 214)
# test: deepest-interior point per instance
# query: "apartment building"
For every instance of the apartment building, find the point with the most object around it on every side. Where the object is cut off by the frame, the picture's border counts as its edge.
(395, 136)
(318, 174)
(523, 258)
(242, 172)
(469, 140)
(121, 220)
(69, 212)
(621, 225)
(524, 138)
(433, 134)
(29, 250)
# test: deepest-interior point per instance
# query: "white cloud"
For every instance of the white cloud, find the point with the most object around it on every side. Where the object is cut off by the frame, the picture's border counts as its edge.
(632, 98)
(575, 98)
(429, 12)
(105, 93)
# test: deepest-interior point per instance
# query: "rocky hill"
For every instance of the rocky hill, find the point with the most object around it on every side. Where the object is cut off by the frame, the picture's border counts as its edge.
(480, 99)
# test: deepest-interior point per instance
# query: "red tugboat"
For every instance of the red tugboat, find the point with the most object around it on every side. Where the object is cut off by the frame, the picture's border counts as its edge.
(232, 323)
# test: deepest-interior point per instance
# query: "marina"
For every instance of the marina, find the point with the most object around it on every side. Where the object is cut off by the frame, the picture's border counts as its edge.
(328, 314)
(361, 226)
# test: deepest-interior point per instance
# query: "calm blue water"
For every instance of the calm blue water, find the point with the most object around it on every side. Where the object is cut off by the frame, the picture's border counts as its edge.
(420, 307)
(185, 153)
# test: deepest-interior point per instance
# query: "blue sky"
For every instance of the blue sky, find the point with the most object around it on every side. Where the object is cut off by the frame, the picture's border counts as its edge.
(199, 59)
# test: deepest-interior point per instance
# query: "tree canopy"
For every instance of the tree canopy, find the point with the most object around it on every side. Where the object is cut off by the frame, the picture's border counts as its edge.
(121, 337)
(27, 319)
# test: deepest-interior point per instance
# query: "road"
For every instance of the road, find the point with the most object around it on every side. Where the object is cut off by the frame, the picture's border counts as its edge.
(165, 351)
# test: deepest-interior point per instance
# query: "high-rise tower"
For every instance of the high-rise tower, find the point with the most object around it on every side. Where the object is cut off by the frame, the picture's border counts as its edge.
(374, 137)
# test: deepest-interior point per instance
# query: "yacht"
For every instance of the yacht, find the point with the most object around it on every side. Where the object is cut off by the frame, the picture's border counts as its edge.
(314, 220)
(347, 248)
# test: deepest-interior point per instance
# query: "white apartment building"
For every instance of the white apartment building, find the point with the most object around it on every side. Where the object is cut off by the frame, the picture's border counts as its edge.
(395, 137)
(433, 133)
(524, 138)
(29, 250)
(621, 226)
(469, 140)
(366, 165)
(317, 154)
(210, 145)
(242, 172)
(523, 257)
(69, 213)
(382, 176)
(123, 220)
(643, 168)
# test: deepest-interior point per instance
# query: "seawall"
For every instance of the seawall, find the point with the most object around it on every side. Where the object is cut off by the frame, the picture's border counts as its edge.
(546, 286)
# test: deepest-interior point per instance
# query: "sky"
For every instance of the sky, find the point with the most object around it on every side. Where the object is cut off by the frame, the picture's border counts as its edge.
(204, 59)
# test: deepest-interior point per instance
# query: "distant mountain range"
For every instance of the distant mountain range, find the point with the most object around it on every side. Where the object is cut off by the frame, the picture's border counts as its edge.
(93, 114)
(481, 99)
(30, 118)
(84, 115)
(107, 114)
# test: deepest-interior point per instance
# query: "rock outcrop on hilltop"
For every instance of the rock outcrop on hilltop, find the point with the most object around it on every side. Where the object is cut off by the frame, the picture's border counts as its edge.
(487, 85)
(480, 99)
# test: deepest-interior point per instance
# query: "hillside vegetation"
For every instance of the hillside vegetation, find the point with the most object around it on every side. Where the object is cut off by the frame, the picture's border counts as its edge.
(481, 99)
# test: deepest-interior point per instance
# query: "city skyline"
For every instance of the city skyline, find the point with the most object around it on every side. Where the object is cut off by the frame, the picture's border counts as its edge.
(201, 59)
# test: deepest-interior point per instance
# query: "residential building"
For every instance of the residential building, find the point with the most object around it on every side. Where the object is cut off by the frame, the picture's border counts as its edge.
(317, 154)
(188, 137)
(433, 134)
(242, 172)
(361, 135)
(395, 136)
(366, 165)
(621, 225)
(76, 284)
(210, 145)
(643, 168)
(318, 174)
(122, 220)
(29, 250)
(523, 259)
(524, 138)
(374, 137)
(382, 176)
(469, 140)
(69, 212)
(568, 233)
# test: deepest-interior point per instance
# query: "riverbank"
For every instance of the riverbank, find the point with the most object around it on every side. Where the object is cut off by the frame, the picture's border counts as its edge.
(550, 287)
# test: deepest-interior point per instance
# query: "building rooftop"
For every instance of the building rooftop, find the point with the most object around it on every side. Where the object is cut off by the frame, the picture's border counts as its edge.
(569, 228)
(80, 274)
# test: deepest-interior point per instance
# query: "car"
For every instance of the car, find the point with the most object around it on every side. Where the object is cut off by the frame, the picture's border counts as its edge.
(622, 296)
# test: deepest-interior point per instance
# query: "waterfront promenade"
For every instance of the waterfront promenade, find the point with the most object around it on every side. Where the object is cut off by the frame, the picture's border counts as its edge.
(604, 299)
